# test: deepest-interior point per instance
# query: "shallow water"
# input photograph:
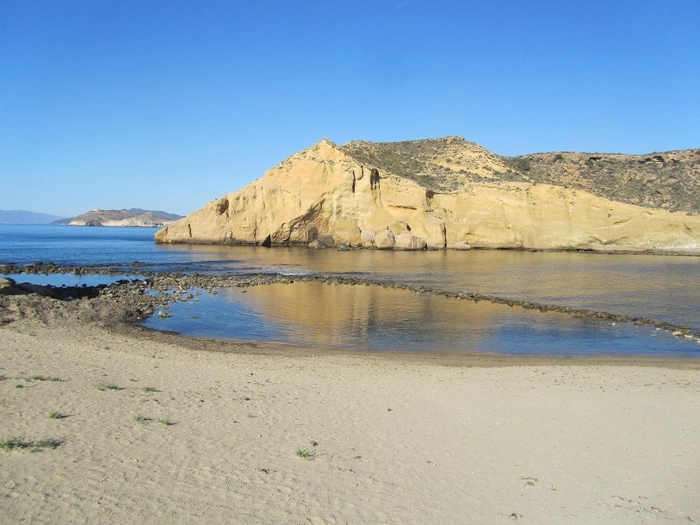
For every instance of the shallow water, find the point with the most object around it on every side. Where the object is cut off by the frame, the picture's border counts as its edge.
(377, 318)
(663, 288)
(67, 279)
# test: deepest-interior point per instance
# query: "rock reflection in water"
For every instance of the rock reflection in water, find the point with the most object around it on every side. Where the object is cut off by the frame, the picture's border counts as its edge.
(659, 287)
(370, 316)
(377, 318)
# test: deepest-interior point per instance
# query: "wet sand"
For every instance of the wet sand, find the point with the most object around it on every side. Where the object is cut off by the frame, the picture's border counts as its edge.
(158, 428)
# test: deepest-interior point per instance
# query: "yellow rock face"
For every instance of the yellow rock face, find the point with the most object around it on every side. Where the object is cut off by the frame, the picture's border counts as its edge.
(326, 194)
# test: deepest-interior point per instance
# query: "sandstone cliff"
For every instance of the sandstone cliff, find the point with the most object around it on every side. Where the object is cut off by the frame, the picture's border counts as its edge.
(445, 193)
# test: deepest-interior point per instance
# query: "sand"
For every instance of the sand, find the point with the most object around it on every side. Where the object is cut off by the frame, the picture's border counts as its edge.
(162, 429)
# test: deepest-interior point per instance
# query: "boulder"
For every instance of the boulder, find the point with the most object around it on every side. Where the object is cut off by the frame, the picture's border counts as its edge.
(7, 285)
(399, 227)
(461, 245)
(408, 241)
(367, 238)
(327, 239)
(38, 289)
(384, 240)
(317, 244)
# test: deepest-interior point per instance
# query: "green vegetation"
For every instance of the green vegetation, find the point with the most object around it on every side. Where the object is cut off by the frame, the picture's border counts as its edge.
(14, 443)
(17, 443)
(440, 165)
(522, 164)
(57, 415)
(306, 453)
(412, 159)
(48, 443)
(668, 180)
(109, 386)
(144, 419)
(42, 378)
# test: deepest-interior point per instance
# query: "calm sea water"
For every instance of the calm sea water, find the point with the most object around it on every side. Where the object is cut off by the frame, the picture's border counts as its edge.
(663, 288)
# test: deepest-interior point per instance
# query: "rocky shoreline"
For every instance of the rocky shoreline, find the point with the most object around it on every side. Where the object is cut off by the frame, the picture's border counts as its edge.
(149, 293)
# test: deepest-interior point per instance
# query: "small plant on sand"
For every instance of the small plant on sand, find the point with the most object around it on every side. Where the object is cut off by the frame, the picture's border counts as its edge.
(166, 422)
(48, 443)
(109, 386)
(57, 415)
(14, 443)
(150, 389)
(306, 453)
(17, 443)
(143, 419)
(43, 378)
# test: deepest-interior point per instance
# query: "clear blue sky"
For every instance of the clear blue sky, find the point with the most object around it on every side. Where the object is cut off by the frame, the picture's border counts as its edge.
(170, 104)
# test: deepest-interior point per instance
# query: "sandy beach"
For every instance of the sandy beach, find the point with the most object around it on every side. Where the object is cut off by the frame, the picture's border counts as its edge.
(157, 428)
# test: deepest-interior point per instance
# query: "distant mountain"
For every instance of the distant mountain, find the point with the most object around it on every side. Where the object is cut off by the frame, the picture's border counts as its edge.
(26, 217)
(132, 217)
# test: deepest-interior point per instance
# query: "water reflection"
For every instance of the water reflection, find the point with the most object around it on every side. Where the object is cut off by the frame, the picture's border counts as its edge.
(376, 318)
(664, 288)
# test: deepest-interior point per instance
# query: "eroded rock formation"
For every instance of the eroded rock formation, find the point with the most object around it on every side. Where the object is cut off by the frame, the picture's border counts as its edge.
(331, 194)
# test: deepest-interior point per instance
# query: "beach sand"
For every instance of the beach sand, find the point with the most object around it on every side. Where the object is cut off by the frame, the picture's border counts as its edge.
(163, 429)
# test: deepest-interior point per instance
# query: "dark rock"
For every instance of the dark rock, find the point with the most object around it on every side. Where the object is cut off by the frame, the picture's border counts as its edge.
(7, 286)
(44, 291)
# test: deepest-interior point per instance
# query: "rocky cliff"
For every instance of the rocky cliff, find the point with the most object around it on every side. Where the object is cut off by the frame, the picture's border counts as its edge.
(443, 193)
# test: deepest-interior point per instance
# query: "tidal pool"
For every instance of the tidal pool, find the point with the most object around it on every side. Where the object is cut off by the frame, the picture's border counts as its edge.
(68, 279)
(377, 318)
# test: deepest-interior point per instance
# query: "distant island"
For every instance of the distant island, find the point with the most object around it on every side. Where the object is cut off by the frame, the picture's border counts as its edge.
(453, 194)
(134, 217)
(26, 217)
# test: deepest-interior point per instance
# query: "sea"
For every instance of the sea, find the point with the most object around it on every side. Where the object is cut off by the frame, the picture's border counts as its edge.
(368, 317)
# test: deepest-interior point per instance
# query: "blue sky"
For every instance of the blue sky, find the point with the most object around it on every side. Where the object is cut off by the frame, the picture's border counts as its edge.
(170, 104)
